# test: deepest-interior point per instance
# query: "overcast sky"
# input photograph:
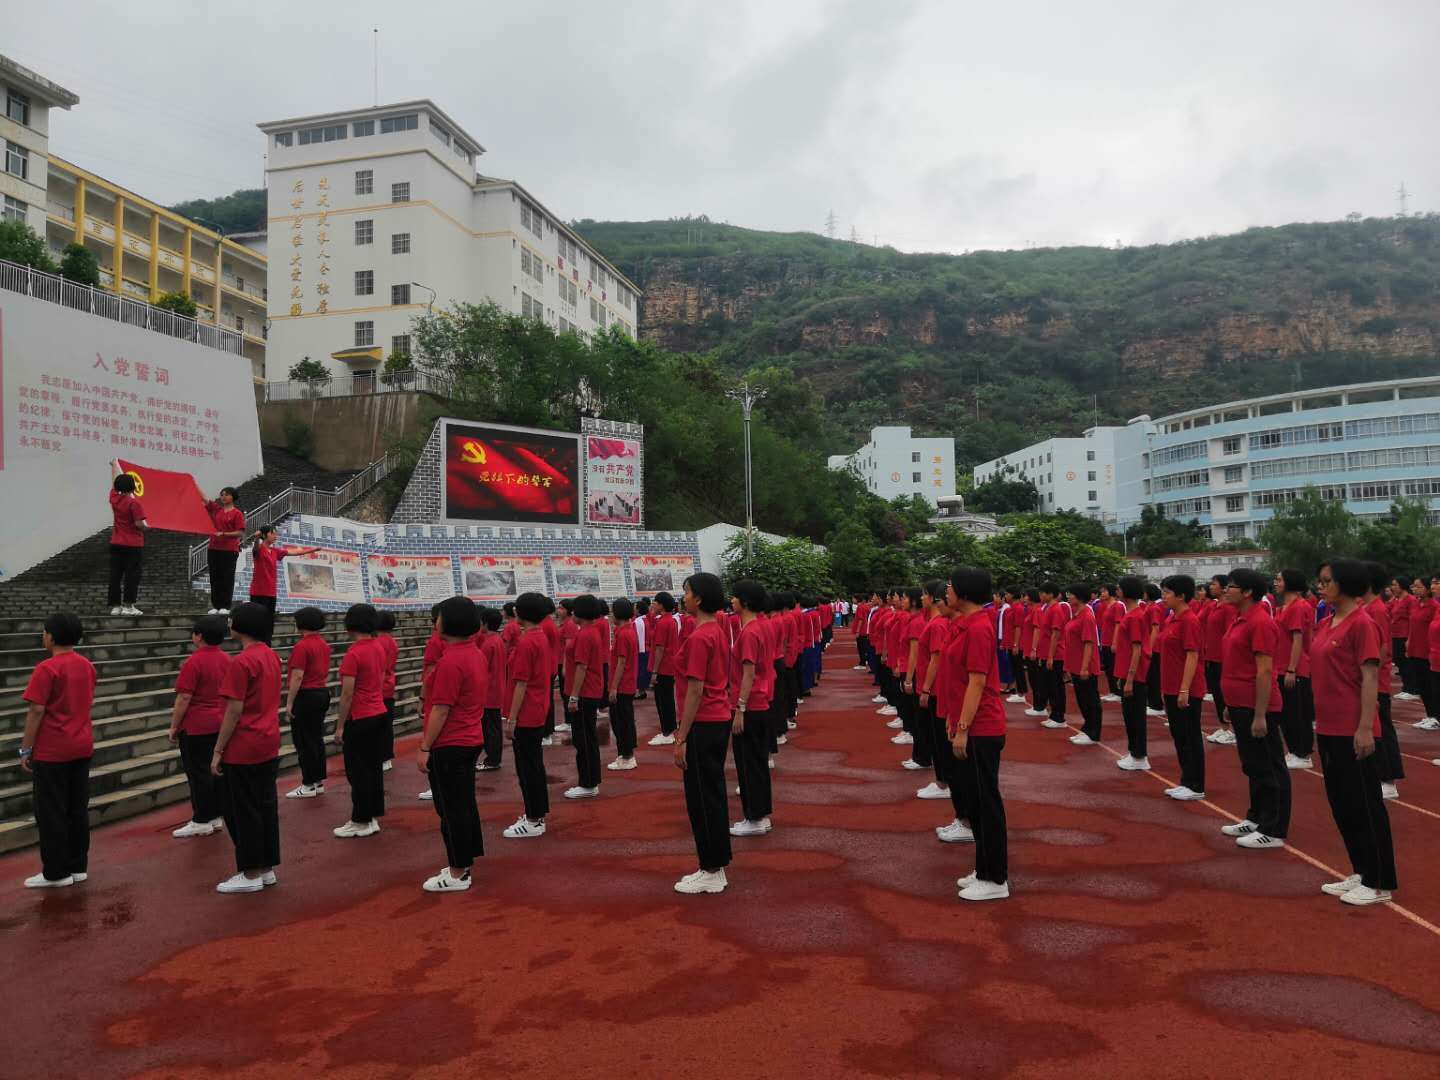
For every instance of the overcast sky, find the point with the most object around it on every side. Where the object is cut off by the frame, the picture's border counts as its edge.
(931, 124)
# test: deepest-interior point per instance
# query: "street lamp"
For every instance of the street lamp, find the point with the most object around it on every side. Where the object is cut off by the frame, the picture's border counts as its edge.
(747, 396)
(430, 304)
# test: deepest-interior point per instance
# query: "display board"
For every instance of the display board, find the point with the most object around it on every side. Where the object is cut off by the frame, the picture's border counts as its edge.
(575, 575)
(613, 482)
(409, 580)
(327, 574)
(495, 473)
(660, 573)
(497, 578)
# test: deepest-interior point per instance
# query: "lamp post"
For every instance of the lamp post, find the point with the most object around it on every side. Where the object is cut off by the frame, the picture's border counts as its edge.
(747, 396)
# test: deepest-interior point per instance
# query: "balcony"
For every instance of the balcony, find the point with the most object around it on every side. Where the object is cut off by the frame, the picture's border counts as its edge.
(246, 287)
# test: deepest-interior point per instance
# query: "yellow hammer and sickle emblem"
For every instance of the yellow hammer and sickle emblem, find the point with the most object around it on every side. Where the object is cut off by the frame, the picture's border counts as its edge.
(472, 453)
(139, 483)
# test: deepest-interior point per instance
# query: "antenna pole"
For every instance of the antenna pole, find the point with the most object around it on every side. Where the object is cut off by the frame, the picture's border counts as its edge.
(375, 37)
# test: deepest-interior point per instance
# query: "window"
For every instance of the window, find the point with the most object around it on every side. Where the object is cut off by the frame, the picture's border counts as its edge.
(914, 456)
(440, 133)
(1091, 497)
(400, 243)
(1049, 458)
(400, 294)
(400, 343)
(1234, 504)
(1234, 532)
(1230, 446)
(407, 122)
(530, 308)
(328, 133)
(365, 231)
(15, 210)
(1183, 452)
(361, 128)
(364, 282)
(1089, 455)
(568, 292)
(400, 192)
(284, 138)
(1234, 474)
(364, 181)
(17, 107)
(17, 160)
(915, 478)
(364, 334)
(1090, 475)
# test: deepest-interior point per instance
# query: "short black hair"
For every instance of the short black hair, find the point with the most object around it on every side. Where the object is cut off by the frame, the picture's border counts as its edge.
(707, 590)
(491, 618)
(230, 491)
(1152, 591)
(65, 628)
(458, 617)
(1050, 587)
(971, 583)
(604, 607)
(642, 605)
(1108, 586)
(124, 483)
(252, 620)
(1082, 590)
(622, 609)
(269, 528)
(750, 593)
(385, 621)
(310, 618)
(1033, 595)
(1182, 585)
(665, 600)
(1220, 579)
(362, 618)
(1132, 587)
(532, 607)
(1350, 576)
(434, 612)
(587, 606)
(1379, 577)
(1403, 580)
(916, 595)
(211, 629)
(936, 589)
(1249, 581)
(509, 609)
(1293, 580)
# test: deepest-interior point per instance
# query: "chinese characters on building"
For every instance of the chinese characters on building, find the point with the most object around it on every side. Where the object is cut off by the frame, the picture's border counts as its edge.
(321, 239)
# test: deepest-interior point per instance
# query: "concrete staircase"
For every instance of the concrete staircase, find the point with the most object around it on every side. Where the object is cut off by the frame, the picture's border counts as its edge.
(136, 660)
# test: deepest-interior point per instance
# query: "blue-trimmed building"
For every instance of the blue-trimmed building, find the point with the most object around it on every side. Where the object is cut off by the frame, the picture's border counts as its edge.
(1230, 465)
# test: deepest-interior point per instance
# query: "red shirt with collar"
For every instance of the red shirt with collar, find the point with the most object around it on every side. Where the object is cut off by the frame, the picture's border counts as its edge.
(1339, 653)
(494, 655)
(1056, 619)
(705, 658)
(1422, 610)
(752, 646)
(1380, 616)
(1081, 628)
(225, 519)
(973, 650)
(532, 664)
(626, 646)
(592, 648)
(265, 570)
(127, 512)
(1134, 629)
(310, 655)
(1400, 608)
(364, 660)
(1179, 636)
(253, 679)
(666, 636)
(1298, 616)
(65, 685)
(1252, 634)
(460, 681)
(201, 676)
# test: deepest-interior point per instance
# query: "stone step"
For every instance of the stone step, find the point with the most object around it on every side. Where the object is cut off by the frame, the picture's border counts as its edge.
(108, 629)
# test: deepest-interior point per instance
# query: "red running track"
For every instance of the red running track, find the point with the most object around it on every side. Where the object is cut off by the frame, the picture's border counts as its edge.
(1137, 942)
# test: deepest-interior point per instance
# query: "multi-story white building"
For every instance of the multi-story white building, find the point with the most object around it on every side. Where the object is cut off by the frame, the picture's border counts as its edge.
(25, 129)
(893, 463)
(1069, 474)
(377, 214)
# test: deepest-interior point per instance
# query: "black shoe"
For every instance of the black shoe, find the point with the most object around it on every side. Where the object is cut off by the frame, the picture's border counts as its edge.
(641, 696)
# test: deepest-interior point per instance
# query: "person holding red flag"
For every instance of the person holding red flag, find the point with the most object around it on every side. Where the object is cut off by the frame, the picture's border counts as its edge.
(223, 551)
(127, 542)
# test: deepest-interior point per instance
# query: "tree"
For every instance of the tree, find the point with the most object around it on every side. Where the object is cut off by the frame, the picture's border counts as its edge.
(1041, 549)
(935, 554)
(307, 369)
(78, 264)
(21, 244)
(1005, 492)
(852, 556)
(914, 513)
(179, 303)
(240, 211)
(1402, 541)
(397, 366)
(1084, 529)
(1156, 535)
(791, 564)
(1307, 530)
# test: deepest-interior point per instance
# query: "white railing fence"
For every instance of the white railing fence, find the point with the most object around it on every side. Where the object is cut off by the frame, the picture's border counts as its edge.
(356, 385)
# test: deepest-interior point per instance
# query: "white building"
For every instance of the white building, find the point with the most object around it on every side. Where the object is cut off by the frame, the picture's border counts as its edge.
(25, 128)
(1069, 474)
(893, 463)
(375, 214)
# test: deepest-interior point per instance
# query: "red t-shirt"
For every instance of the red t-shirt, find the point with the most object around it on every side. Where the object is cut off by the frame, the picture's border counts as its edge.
(225, 520)
(1400, 608)
(1078, 631)
(460, 682)
(1056, 618)
(1298, 616)
(494, 655)
(752, 645)
(1380, 616)
(1035, 632)
(687, 627)
(263, 574)
(532, 664)
(923, 650)
(390, 651)
(311, 655)
(1217, 622)
(201, 676)
(1434, 637)
(1252, 634)
(128, 513)
(592, 649)
(1421, 612)
(1133, 629)
(973, 649)
(1110, 616)
(1179, 636)
(551, 630)
(1338, 654)
(705, 657)
(65, 685)
(510, 633)
(666, 635)
(932, 644)
(253, 679)
(365, 662)
(626, 646)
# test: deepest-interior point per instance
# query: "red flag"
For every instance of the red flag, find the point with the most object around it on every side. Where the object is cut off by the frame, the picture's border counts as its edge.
(172, 500)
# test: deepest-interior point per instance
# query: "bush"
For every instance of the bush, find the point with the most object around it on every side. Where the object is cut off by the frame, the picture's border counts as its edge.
(397, 366)
(21, 244)
(299, 438)
(309, 369)
(78, 264)
(179, 303)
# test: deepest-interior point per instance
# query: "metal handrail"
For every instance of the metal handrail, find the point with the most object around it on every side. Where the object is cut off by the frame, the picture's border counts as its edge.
(119, 308)
(298, 500)
(356, 385)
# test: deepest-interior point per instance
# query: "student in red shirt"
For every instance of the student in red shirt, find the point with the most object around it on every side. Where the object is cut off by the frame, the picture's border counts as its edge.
(550, 627)
(1082, 659)
(530, 668)
(976, 726)
(935, 699)
(1052, 651)
(585, 693)
(360, 722)
(195, 722)
(223, 550)
(752, 683)
(1432, 678)
(55, 749)
(1107, 616)
(265, 558)
(1132, 668)
(1217, 622)
(1182, 683)
(706, 719)
(127, 542)
(307, 700)
(450, 742)
(1035, 616)
(1345, 667)
(385, 638)
(1400, 604)
(495, 657)
(1247, 673)
(1417, 649)
(664, 649)
(912, 625)
(934, 636)
(247, 752)
(1389, 762)
(624, 678)
(1296, 619)
(1154, 699)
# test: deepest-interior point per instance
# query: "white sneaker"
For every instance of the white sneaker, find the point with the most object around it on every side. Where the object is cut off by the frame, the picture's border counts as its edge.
(219, 823)
(354, 828)
(117, 611)
(790, 725)
(239, 883)
(957, 832)
(751, 828)
(1405, 695)
(79, 876)
(1239, 828)
(1214, 736)
(622, 764)
(1258, 839)
(966, 881)
(703, 882)
(387, 766)
(888, 710)
(40, 881)
(933, 790)
(1389, 791)
(1340, 888)
(524, 828)
(427, 795)
(1225, 737)
(663, 740)
(548, 740)
(1154, 712)
(305, 791)
(1111, 697)
(443, 882)
(268, 878)
(985, 890)
(781, 740)
(911, 763)
(1134, 764)
(859, 667)
(213, 611)
(1364, 894)
(1294, 762)
(562, 728)
(193, 828)
(223, 611)
(578, 792)
(737, 789)
(1209, 697)
(1036, 712)
(1184, 794)
(1051, 724)
(131, 610)
(772, 763)
(878, 699)
(1015, 699)
(896, 724)
(1428, 724)
(903, 739)
(1083, 740)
